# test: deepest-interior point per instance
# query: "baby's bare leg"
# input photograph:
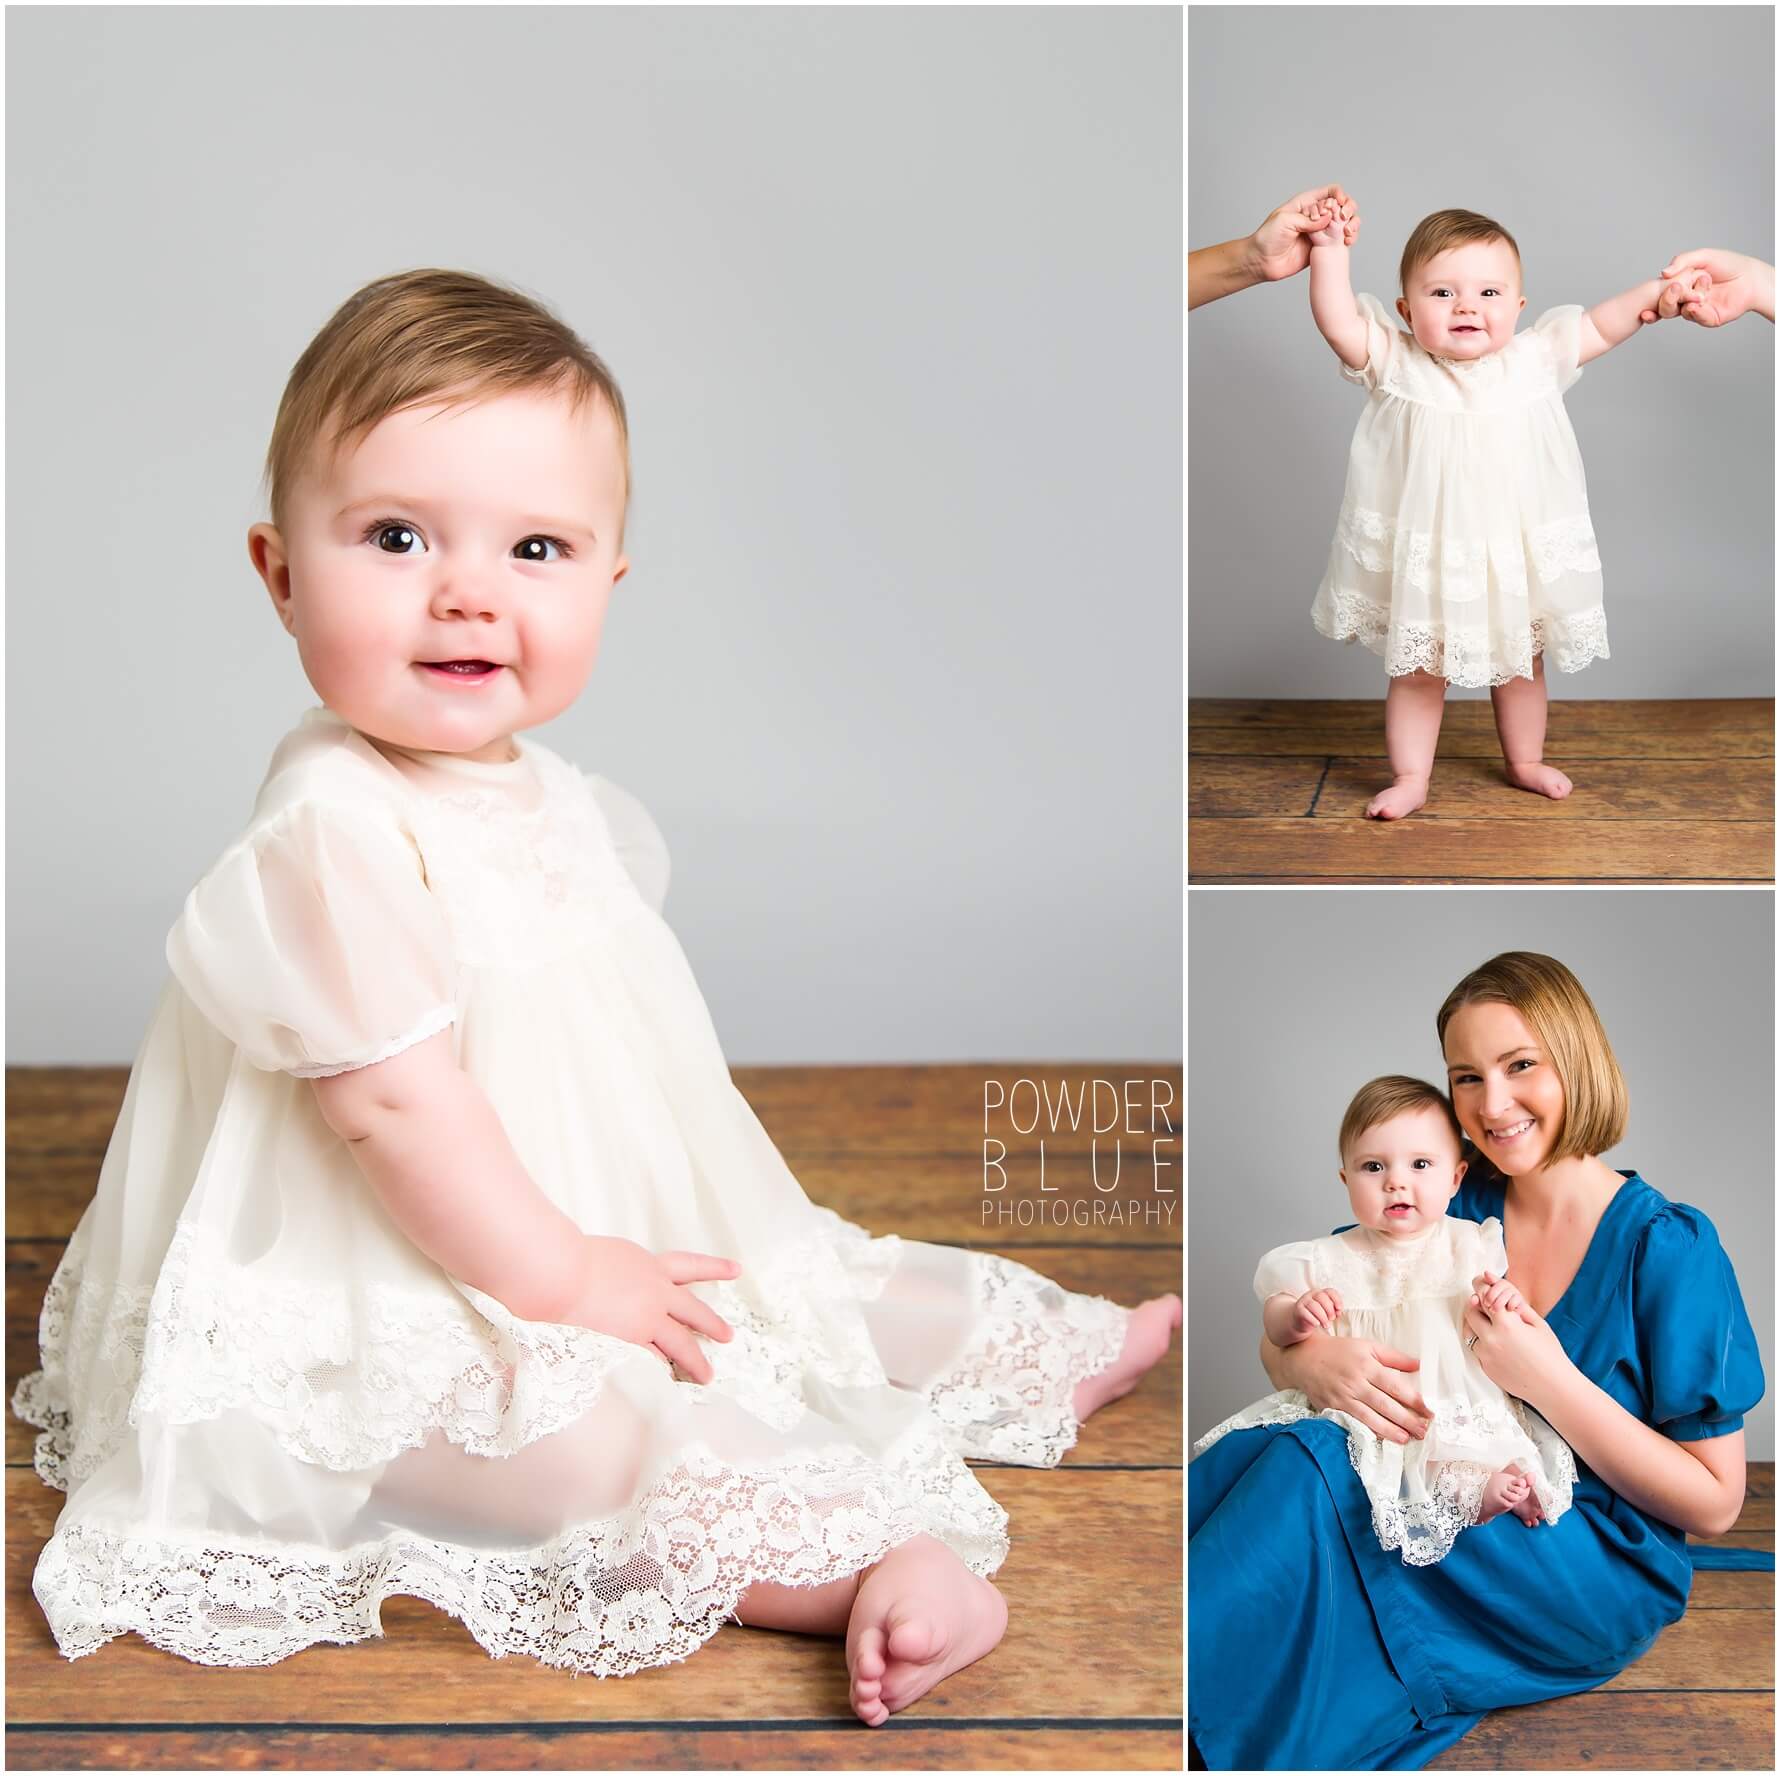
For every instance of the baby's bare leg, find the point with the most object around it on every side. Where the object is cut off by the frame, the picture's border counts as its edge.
(1412, 709)
(1520, 726)
(800, 1609)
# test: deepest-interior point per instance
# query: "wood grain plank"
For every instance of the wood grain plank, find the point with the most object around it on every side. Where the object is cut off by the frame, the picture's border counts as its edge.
(1605, 789)
(1731, 1590)
(954, 1746)
(1523, 850)
(1145, 1427)
(1247, 787)
(1697, 728)
(1707, 1650)
(898, 1149)
(1617, 1732)
(1093, 1585)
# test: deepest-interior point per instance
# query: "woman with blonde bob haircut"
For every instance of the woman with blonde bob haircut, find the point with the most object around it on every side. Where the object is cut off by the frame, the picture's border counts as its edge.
(1634, 1346)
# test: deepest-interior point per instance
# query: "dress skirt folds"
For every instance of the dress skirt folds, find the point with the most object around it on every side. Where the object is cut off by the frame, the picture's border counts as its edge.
(1312, 1647)
(270, 1410)
(1464, 545)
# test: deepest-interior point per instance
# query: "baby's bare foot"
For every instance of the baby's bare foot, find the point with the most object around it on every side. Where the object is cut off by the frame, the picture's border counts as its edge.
(1545, 780)
(1147, 1337)
(920, 1614)
(1529, 1510)
(1505, 1490)
(1404, 796)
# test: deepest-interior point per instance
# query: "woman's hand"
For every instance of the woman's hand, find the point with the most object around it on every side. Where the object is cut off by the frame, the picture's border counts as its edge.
(1364, 1379)
(1734, 284)
(1688, 287)
(637, 1295)
(1280, 247)
(1516, 1349)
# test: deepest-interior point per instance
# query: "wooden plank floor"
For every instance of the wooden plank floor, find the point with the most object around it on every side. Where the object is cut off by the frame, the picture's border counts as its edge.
(1665, 792)
(1088, 1676)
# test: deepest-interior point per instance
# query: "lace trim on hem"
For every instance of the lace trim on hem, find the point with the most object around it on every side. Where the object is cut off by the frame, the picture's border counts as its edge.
(1569, 642)
(1423, 1529)
(605, 1599)
(431, 1025)
(1011, 1397)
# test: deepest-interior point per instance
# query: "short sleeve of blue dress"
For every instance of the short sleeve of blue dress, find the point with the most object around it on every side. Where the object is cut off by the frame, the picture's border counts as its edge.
(1701, 1367)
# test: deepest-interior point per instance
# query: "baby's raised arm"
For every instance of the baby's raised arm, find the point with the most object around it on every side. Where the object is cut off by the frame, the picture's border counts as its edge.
(1332, 304)
(433, 1149)
(1614, 321)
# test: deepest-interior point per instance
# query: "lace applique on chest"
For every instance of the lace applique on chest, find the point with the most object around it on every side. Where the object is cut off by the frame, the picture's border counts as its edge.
(1382, 1275)
(520, 885)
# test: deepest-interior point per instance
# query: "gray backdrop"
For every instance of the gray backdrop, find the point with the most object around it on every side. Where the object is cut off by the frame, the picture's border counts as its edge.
(894, 298)
(1300, 996)
(1604, 139)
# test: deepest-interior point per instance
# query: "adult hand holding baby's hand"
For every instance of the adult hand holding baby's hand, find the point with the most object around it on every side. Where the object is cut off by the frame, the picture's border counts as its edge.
(1720, 285)
(632, 1293)
(1280, 247)
(1315, 1311)
(1517, 1350)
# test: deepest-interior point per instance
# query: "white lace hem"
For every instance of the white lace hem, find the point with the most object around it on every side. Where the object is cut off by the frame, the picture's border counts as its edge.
(1569, 642)
(1423, 1529)
(610, 1598)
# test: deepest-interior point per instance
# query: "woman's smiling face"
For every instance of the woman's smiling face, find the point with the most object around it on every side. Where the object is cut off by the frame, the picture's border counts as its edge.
(1505, 1089)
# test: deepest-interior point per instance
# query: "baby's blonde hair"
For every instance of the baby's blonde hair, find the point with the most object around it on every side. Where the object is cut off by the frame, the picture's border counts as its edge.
(1444, 230)
(1378, 1100)
(420, 336)
(1556, 1009)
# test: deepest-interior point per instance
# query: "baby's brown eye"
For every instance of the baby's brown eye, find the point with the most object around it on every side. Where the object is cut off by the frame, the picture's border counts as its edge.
(401, 532)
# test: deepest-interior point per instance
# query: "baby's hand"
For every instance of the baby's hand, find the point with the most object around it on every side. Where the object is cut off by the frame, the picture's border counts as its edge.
(629, 1292)
(1315, 1311)
(1689, 286)
(1334, 232)
(1498, 1295)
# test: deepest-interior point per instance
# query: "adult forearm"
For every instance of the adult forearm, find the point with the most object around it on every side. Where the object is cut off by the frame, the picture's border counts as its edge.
(447, 1175)
(1616, 319)
(1643, 1466)
(1221, 270)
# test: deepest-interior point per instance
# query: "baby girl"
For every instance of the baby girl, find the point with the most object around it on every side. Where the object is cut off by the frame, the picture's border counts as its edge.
(1464, 553)
(435, 1252)
(1403, 1276)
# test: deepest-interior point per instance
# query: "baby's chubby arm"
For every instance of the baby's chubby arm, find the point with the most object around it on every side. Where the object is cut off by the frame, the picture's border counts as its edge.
(1614, 321)
(434, 1151)
(1332, 305)
(1288, 1319)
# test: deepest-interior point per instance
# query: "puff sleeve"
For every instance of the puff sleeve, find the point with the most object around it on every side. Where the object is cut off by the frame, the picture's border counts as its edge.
(1697, 1350)
(1384, 340)
(635, 836)
(315, 945)
(1559, 332)
(1288, 1270)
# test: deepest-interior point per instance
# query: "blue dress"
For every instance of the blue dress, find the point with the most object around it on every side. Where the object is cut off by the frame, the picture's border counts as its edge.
(1310, 1647)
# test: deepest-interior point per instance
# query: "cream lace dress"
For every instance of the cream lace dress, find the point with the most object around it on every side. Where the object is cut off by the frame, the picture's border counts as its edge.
(270, 1411)
(1464, 546)
(1411, 1294)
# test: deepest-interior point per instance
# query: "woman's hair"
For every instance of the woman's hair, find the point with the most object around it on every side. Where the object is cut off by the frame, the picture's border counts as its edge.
(420, 336)
(1444, 230)
(1378, 1100)
(1556, 1009)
